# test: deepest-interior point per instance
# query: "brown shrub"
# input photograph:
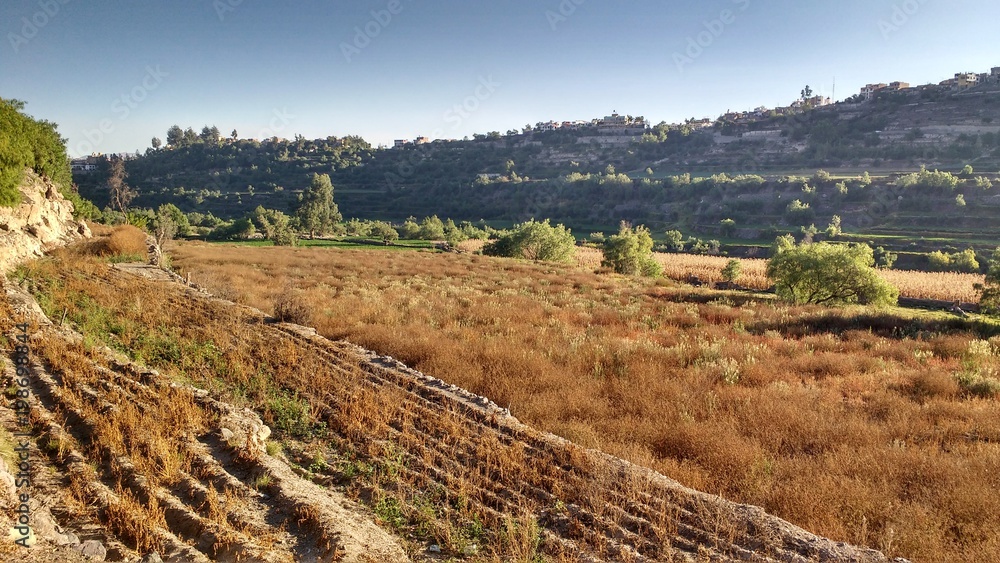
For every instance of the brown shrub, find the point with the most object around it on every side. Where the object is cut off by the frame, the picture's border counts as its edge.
(123, 240)
(126, 239)
(290, 307)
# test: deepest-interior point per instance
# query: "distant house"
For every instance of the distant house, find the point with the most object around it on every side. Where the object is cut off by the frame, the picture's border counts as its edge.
(622, 125)
(995, 73)
(966, 79)
(697, 124)
(400, 143)
(870, 90)
(899, 86)
(422, 140)
(84, 165)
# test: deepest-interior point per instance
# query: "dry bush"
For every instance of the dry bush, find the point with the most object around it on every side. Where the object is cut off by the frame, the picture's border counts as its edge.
(136, 521)
(290, 307)
(123, 240)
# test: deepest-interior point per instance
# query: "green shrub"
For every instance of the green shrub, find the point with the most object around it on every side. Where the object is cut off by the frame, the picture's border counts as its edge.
(535, 240)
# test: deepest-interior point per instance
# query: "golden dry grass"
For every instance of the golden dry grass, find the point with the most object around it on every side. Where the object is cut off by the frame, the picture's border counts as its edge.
(944, 286)
(123, 240)
(825, 418)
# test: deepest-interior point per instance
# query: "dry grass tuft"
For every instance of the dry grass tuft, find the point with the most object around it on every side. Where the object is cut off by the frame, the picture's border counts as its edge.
(290, 307)
(123, 240)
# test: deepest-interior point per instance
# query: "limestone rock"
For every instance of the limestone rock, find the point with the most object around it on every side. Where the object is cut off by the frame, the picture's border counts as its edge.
(43, 221)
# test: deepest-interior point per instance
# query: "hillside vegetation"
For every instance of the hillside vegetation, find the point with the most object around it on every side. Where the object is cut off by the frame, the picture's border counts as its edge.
(28, 143)
(674, 177)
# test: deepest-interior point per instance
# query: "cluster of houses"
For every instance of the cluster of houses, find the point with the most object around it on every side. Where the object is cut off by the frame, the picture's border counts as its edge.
(614, 124)
(745, 117)
(961, 81)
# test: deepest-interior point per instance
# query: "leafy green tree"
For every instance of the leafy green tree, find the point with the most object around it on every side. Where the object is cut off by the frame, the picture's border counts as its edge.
(317, 212)
(28, 143)
(453, 235)
(675, 241)
(965, 261)
(927, 179)
(960, 200)
(630, 252)
(190, 137)
(210, 135)
(164, 225)
(967, 170)
(276, 226)
(796, 207)
(384, 232)
(829, 274)
(990, 300)
(175, 136)
(884, 259)
(534, 240)
(156, 143)
(939, 261)
(177, 217)
(432, 228)
(833, 230)
(731, 272)
(728, 227)
(809, 233)
(410, 230)
(240, 229)
(357, 228)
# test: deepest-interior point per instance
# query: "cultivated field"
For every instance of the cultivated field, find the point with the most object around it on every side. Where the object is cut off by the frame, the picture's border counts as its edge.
(868, 428)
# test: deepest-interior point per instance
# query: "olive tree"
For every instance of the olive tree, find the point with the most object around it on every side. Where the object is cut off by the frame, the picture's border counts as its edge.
(535, 240)
(630, 252)
(829, 274)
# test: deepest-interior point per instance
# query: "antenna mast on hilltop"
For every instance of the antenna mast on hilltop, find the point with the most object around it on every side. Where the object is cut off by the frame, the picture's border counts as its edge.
(834, 96)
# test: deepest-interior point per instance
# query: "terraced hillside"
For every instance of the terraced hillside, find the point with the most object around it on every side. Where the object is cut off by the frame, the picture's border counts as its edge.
(191, 473)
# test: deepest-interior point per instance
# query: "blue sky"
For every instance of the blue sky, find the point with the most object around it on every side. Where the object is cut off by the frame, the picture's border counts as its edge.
(115, 73)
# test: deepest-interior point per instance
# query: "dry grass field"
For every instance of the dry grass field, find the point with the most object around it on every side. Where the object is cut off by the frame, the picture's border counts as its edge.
(880, 429)
(145, 461)
(945, 286)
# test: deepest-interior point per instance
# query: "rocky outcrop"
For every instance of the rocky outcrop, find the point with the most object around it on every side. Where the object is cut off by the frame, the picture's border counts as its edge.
(43, 221)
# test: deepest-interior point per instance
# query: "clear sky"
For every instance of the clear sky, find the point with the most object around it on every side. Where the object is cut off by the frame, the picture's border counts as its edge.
(115, 73)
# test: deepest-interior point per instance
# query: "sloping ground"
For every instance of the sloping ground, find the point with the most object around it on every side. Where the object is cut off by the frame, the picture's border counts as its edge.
(140, 463)
(434, 449)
